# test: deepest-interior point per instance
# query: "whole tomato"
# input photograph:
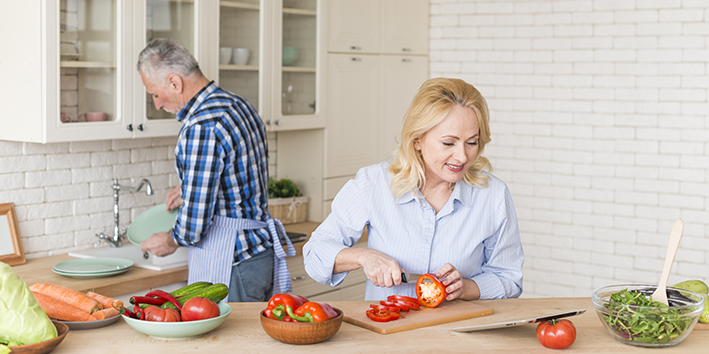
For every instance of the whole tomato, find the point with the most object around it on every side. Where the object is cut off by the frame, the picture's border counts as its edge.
(199, 308)
(156, 314)
(556, 334)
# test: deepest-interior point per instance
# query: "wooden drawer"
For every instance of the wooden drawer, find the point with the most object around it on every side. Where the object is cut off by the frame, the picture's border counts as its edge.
(306, 286)
(350, 293)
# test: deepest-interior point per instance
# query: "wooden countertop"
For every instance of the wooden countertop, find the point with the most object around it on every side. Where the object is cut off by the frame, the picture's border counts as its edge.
(39, 270)
(242, 332)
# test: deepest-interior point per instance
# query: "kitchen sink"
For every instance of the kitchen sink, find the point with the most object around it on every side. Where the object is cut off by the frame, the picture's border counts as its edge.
(133, 252)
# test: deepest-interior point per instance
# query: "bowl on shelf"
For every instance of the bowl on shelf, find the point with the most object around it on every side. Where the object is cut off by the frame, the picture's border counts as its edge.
(179, 330)
(290, 55)
(45, 346)
(644, 323)
(302, 332)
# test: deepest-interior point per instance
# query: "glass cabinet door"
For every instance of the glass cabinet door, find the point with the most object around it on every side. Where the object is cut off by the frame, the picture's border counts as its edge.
(240, 38)
(88, 69)
(299, 58)
(174, 19)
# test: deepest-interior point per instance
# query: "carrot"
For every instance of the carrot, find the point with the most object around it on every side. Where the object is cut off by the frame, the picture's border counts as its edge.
(105, 301)
(61, 310)
(69, 296)
(105, 313)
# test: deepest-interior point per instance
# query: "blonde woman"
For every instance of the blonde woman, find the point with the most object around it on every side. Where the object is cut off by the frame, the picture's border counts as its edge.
(433, 209)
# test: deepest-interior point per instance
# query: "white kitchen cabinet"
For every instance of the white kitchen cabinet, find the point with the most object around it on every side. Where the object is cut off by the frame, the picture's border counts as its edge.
(351, 136)
(73, 57)
(284, 74)
(378, 26)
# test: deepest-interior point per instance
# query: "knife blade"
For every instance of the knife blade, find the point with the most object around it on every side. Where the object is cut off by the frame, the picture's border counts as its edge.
(411, 278)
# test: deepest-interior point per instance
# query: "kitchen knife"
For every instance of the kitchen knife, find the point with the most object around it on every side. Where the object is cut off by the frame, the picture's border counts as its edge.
(519, 322)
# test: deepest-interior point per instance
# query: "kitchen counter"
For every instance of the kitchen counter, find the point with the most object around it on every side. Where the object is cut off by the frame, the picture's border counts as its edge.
(242, 333)
(39, 270)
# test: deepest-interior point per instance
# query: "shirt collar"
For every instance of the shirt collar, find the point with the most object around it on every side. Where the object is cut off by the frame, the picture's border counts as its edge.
(188, 110)
(461, 192)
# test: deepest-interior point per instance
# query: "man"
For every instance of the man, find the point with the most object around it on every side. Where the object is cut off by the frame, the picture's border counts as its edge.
(221, 161)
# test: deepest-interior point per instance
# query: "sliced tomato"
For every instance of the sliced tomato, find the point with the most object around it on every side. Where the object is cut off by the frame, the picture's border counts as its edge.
(411, 305)
(399, 304)
(388, 308)
(380, 315)
(403, 298)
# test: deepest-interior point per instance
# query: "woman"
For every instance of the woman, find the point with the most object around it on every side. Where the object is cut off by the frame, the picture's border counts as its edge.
(432, 210)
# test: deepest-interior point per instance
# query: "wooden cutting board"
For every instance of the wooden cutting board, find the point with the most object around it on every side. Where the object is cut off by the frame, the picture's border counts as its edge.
(448, 311)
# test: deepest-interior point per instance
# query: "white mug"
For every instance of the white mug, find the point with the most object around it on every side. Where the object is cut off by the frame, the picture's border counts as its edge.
(241, 56)
(224, 55)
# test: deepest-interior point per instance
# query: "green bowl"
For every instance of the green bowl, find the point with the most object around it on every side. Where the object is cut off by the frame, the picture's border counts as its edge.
(290, 55)
(179, 330)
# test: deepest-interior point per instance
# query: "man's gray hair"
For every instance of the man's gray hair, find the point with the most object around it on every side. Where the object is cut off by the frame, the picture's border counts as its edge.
(162, 57)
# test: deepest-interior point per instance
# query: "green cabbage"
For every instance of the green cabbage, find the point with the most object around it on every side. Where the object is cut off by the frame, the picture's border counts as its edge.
(22, 320)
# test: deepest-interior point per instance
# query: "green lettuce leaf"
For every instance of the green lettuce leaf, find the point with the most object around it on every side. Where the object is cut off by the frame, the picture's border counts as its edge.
(22, 320)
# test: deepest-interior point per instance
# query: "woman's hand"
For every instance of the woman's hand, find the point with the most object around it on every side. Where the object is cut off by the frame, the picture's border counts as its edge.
(380, 269)
(456, 285)
(173, 199)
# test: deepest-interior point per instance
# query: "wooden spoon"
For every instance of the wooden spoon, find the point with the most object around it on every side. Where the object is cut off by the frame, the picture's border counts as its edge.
(660, 294)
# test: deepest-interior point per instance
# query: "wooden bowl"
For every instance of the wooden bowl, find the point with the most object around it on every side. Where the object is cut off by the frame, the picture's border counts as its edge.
(302, 332)
(43, 347)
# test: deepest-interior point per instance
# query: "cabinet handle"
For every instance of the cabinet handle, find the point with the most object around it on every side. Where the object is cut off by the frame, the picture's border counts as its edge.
(140, 127)
(300, 277)
(268, 122)
(356, 47)
(278, 122)
(406, 49)
(129, 127)
(356, 59)
(406, 60)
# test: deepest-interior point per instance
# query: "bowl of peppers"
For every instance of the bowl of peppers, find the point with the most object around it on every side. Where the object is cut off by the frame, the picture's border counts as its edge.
(292, 319)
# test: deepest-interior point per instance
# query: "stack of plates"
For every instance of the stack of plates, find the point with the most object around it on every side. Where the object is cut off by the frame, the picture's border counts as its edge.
(93, 267)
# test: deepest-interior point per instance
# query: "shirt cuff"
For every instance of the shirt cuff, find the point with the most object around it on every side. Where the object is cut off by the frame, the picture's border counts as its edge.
(490, 286)
(320, 266)
(177, 240)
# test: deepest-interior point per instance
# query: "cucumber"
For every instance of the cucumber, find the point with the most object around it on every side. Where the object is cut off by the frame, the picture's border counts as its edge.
(190, 288)
(215, 292)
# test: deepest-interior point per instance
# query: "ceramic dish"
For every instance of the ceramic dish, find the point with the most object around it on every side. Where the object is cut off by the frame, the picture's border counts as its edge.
(179, 330)
(98, 265)
(91, 275)
(153, 220)
(43, 347)
(90, 324)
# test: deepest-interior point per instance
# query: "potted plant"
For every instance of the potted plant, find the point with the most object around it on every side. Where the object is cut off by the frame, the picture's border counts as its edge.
(285, 201)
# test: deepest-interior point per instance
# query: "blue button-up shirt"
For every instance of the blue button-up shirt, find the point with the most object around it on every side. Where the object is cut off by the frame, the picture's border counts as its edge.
(221, 159)
(476, 231)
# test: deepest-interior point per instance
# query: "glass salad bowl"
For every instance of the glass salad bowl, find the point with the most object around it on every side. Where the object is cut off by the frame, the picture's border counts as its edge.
(631, 317)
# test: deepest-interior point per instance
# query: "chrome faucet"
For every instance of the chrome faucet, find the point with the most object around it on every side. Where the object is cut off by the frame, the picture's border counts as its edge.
(119, 233)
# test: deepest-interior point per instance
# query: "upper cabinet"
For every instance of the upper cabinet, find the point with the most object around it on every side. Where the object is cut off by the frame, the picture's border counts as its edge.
(70, 75)
(378, 26)
(271, 53)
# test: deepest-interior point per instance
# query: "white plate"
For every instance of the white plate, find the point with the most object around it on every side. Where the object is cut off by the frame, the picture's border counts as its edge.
(91, 275)
(98, 265)
(179, 330)
(90, 324)
(153, 220)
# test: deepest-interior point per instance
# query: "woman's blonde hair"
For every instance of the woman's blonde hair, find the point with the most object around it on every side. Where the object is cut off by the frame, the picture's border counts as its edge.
(430, 106)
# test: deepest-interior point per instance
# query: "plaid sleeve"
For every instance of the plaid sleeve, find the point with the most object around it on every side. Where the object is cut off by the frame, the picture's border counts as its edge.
(201, 160)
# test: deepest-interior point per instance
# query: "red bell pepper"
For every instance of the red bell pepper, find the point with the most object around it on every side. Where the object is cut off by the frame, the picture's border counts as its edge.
(381, 315)
(400, 304)
(430, 291)
(413, 305)
(388, 308)
(403, 298)
(165, 296)
(312, 312)
(137, 300)
(279, 304)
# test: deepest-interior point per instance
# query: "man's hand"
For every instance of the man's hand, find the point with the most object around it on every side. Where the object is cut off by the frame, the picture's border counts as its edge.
(159, 244)
(173, 198)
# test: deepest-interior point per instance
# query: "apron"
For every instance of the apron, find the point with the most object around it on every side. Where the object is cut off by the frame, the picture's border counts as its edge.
(212, 259)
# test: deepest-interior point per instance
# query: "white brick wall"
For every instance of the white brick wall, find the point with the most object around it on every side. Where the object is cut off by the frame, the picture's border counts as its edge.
(62, 192)
(599, 127)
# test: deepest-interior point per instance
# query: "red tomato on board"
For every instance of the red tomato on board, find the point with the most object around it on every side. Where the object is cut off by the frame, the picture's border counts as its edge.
(199, 308)
(556, 334)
